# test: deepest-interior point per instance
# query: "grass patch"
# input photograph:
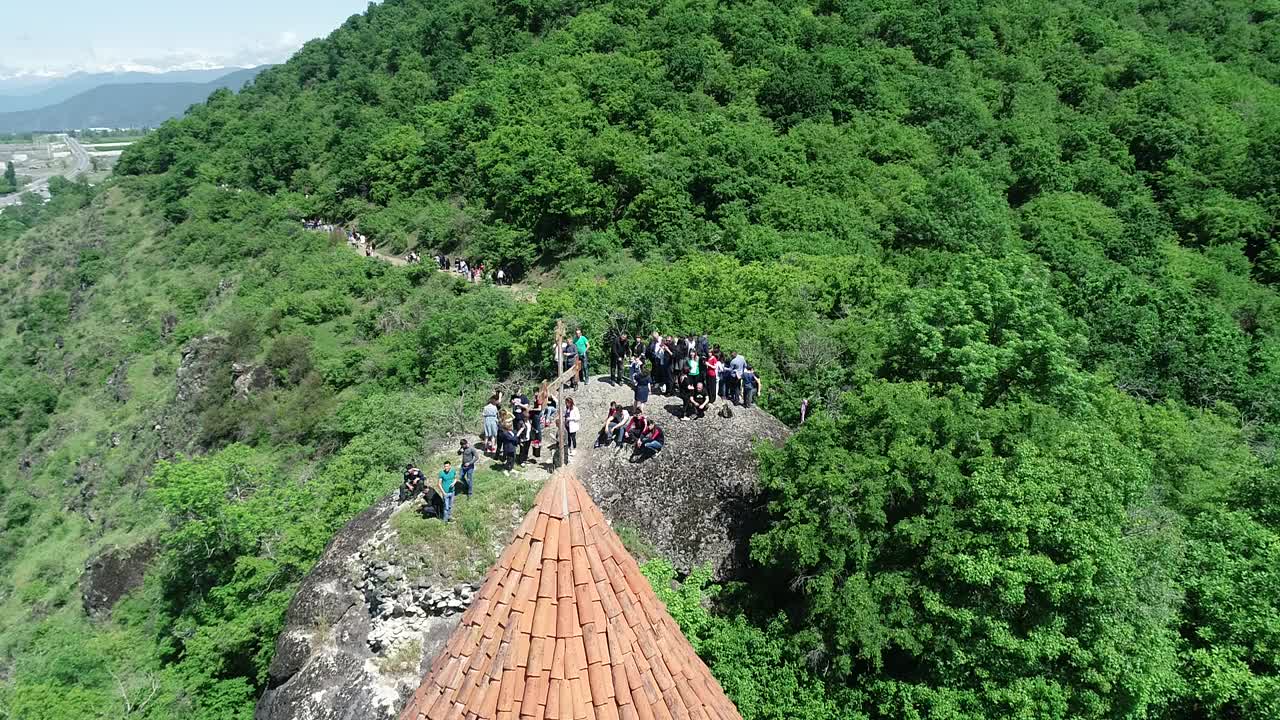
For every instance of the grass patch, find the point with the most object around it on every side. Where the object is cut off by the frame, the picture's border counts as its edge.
(464, 549)
(635, 543)
(404, 659)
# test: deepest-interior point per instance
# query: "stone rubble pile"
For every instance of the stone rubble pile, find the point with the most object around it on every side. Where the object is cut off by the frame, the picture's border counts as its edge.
(400, 610)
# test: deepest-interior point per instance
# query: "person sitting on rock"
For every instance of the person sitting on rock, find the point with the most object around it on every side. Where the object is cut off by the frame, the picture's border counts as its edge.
(638, 425)
(414, 483)
(616, 427)
(700, 401)
(649, 444)
(432, 504)
(602, 437)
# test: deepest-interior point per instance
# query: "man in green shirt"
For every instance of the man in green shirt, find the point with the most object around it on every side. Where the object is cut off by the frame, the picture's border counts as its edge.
(448, 478)
(583, 345)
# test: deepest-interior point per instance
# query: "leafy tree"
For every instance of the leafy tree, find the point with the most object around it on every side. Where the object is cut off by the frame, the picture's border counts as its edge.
(968, 561)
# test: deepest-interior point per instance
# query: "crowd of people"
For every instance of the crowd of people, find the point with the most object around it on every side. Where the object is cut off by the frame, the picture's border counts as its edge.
(690, 368)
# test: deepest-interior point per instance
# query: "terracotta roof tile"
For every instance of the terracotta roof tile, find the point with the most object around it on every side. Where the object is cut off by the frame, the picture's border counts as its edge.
(565, 627)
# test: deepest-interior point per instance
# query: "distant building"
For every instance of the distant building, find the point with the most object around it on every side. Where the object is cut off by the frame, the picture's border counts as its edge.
(20, 157)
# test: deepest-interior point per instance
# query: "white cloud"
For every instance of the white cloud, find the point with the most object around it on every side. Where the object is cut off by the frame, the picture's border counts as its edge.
(268, 50)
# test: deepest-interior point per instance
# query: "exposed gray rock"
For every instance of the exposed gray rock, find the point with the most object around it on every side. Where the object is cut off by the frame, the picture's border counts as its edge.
(202, 360)
(118, 383)
(697, 501)
(250, 379)
(111, 575)
(358, 634)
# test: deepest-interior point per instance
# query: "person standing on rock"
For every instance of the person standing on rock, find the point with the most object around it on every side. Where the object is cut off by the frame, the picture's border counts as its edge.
(618, 350)
(642, 382)
(572, 422)
(662, 367)
(448, 478)
(695, 367)
(737, 367)
(490, 415)
(634, 367)
(539, 409)
(468, 458)
(524, 436)
(568, 353)
(751, 386)
(507, 443)
(713, 367)
(583, 345)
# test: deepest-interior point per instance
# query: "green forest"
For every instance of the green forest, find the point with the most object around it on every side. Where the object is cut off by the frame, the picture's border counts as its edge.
(1021, 257)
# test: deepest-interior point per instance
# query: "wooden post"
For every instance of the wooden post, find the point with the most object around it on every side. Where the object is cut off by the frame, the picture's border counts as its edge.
(560, 412)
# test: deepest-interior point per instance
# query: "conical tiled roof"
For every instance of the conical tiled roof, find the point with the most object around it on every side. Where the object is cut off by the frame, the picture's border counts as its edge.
(566, 628)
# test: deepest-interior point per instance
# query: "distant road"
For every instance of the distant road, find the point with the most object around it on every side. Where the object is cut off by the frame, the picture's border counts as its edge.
(80, 164)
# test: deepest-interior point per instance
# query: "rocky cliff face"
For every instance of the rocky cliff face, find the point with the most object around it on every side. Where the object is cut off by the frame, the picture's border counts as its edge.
(364, 627)
(361, 630)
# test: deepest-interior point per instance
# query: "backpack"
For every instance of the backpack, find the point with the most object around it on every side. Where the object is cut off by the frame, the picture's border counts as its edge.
(725, 411)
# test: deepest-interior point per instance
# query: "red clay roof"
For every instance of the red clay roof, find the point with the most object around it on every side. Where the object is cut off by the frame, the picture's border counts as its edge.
(566, 628)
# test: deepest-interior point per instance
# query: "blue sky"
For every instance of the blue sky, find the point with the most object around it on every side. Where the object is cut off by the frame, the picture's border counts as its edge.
(67, 35)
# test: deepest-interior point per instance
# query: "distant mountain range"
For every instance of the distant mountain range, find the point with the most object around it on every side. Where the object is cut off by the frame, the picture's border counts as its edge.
(117, 105)
(33, 94)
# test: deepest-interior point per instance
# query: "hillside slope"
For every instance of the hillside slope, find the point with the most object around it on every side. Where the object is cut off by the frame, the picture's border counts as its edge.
(1019, 257)
(129, 105)
(54, 90)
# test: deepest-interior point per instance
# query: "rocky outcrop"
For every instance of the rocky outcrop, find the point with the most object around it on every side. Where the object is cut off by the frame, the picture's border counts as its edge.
(118, 383)
(696, 502)
(200, 360)
(112, 574)
(250, 379)
(202, 363)
(365, 625)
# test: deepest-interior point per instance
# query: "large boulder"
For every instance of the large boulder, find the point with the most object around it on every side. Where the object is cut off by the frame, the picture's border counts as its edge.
(112, 574)
(695, 503)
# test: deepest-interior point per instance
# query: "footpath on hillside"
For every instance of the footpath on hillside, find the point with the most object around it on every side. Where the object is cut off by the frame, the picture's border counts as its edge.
(367, 250)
